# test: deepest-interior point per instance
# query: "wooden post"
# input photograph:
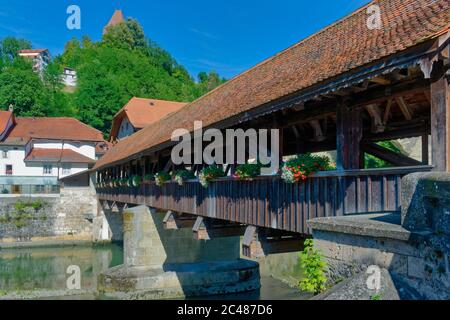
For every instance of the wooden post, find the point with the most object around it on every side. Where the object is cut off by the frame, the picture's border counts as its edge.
(348, 135)
(425, 159)
(440, 125)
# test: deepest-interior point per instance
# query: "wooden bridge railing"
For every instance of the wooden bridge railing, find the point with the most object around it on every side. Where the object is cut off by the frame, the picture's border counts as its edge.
(272, 203)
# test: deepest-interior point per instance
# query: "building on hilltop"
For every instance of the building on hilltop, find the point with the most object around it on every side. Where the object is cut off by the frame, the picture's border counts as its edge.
(69, 77)
(139, 113)
(116, 18)
(39, 57)
(35, 152)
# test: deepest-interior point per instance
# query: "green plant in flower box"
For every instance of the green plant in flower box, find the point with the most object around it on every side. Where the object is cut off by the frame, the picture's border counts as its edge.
(247, 171)
(130, 182)
(210, 173)
(300, 167)
(149, 177)
(136, 181)
(182, 175)
(161, 177)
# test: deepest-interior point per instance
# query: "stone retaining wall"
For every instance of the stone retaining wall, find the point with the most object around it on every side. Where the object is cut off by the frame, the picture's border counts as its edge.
(414, 246)
(66, 217)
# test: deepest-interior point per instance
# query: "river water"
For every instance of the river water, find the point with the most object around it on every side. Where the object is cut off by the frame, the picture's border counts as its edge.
(41, 272)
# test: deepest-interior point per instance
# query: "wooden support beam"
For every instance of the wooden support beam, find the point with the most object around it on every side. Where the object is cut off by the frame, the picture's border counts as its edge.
(207, 229)
(174, 220)
(427, 94)
(381, 80)
(394, 158)
(259, 242)
(404, 108)
(300, 106)
(375, 115)
(440, 124)
(318, 133)
(348, 137)
(425, 159)
(387, 111)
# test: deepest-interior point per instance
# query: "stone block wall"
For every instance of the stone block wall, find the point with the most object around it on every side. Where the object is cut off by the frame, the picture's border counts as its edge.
(417, 253)
(423, 262)
(67, 217)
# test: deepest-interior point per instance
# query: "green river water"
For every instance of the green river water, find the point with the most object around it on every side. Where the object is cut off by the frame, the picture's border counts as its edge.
(28, 272)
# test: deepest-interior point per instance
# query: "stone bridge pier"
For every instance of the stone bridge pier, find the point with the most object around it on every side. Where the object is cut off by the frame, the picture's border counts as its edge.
(160, 263)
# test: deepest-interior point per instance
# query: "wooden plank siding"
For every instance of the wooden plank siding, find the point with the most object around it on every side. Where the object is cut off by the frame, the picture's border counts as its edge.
(269, 202)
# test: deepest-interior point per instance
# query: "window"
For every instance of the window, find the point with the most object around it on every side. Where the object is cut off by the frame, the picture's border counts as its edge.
(48, 169)
(66, 169)
(5, 154)
(9, 169)
(39, 189)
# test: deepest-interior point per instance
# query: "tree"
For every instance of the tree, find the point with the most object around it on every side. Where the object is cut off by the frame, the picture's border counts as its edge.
(9, 47)
(23, 89)
(126, 35)
(209, 81)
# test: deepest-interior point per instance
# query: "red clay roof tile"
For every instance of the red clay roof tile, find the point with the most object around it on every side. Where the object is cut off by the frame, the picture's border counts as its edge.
(53, 129)
(57, 155)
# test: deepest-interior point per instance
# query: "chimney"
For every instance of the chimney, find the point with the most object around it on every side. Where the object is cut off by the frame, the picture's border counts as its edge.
(11, 107)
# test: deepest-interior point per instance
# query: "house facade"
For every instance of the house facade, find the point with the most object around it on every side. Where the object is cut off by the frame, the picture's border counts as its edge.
(39, 57)
(36, 152)
(139, 113)
(69, 77)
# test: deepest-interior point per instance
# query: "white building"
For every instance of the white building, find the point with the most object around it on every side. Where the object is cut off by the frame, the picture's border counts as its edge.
(36, 152)
(39, 57)
(69, 77)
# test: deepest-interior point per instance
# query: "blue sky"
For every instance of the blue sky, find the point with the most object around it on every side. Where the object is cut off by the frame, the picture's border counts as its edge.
(226, 36)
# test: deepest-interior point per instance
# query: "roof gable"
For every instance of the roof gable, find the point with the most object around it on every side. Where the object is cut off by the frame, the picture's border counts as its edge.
(142, 112)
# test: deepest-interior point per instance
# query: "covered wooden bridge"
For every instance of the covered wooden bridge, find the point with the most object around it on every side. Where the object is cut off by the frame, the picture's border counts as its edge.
(344, 88)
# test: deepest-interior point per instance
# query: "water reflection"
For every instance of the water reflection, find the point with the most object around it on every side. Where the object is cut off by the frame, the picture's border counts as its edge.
(45, 269)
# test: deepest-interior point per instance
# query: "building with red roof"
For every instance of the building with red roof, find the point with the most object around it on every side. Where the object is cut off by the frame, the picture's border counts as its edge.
(39, 57)
(138, 113)
(41, 150)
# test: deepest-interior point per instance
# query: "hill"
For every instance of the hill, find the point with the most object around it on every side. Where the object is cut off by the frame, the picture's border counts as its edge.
(125, 63)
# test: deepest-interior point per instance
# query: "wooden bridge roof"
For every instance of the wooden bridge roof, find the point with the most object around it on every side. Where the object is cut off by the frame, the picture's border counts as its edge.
(336, 50)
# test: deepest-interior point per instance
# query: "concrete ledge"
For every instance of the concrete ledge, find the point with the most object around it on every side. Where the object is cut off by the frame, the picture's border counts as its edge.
(180, 280)
(378, 225)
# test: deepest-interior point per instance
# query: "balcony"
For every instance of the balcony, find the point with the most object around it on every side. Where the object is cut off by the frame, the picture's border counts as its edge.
(25, 185)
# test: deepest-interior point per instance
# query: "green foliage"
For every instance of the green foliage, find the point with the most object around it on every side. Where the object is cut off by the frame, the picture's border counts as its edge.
(374, 162)
(137, 180)
(161, 177)
(209, 81)
(181, 175)
(127, 35)
(248, 170)
(375, 297)
(20, 218)
(149, 177)
(9, 47)
(314, 269)
(210, 173)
